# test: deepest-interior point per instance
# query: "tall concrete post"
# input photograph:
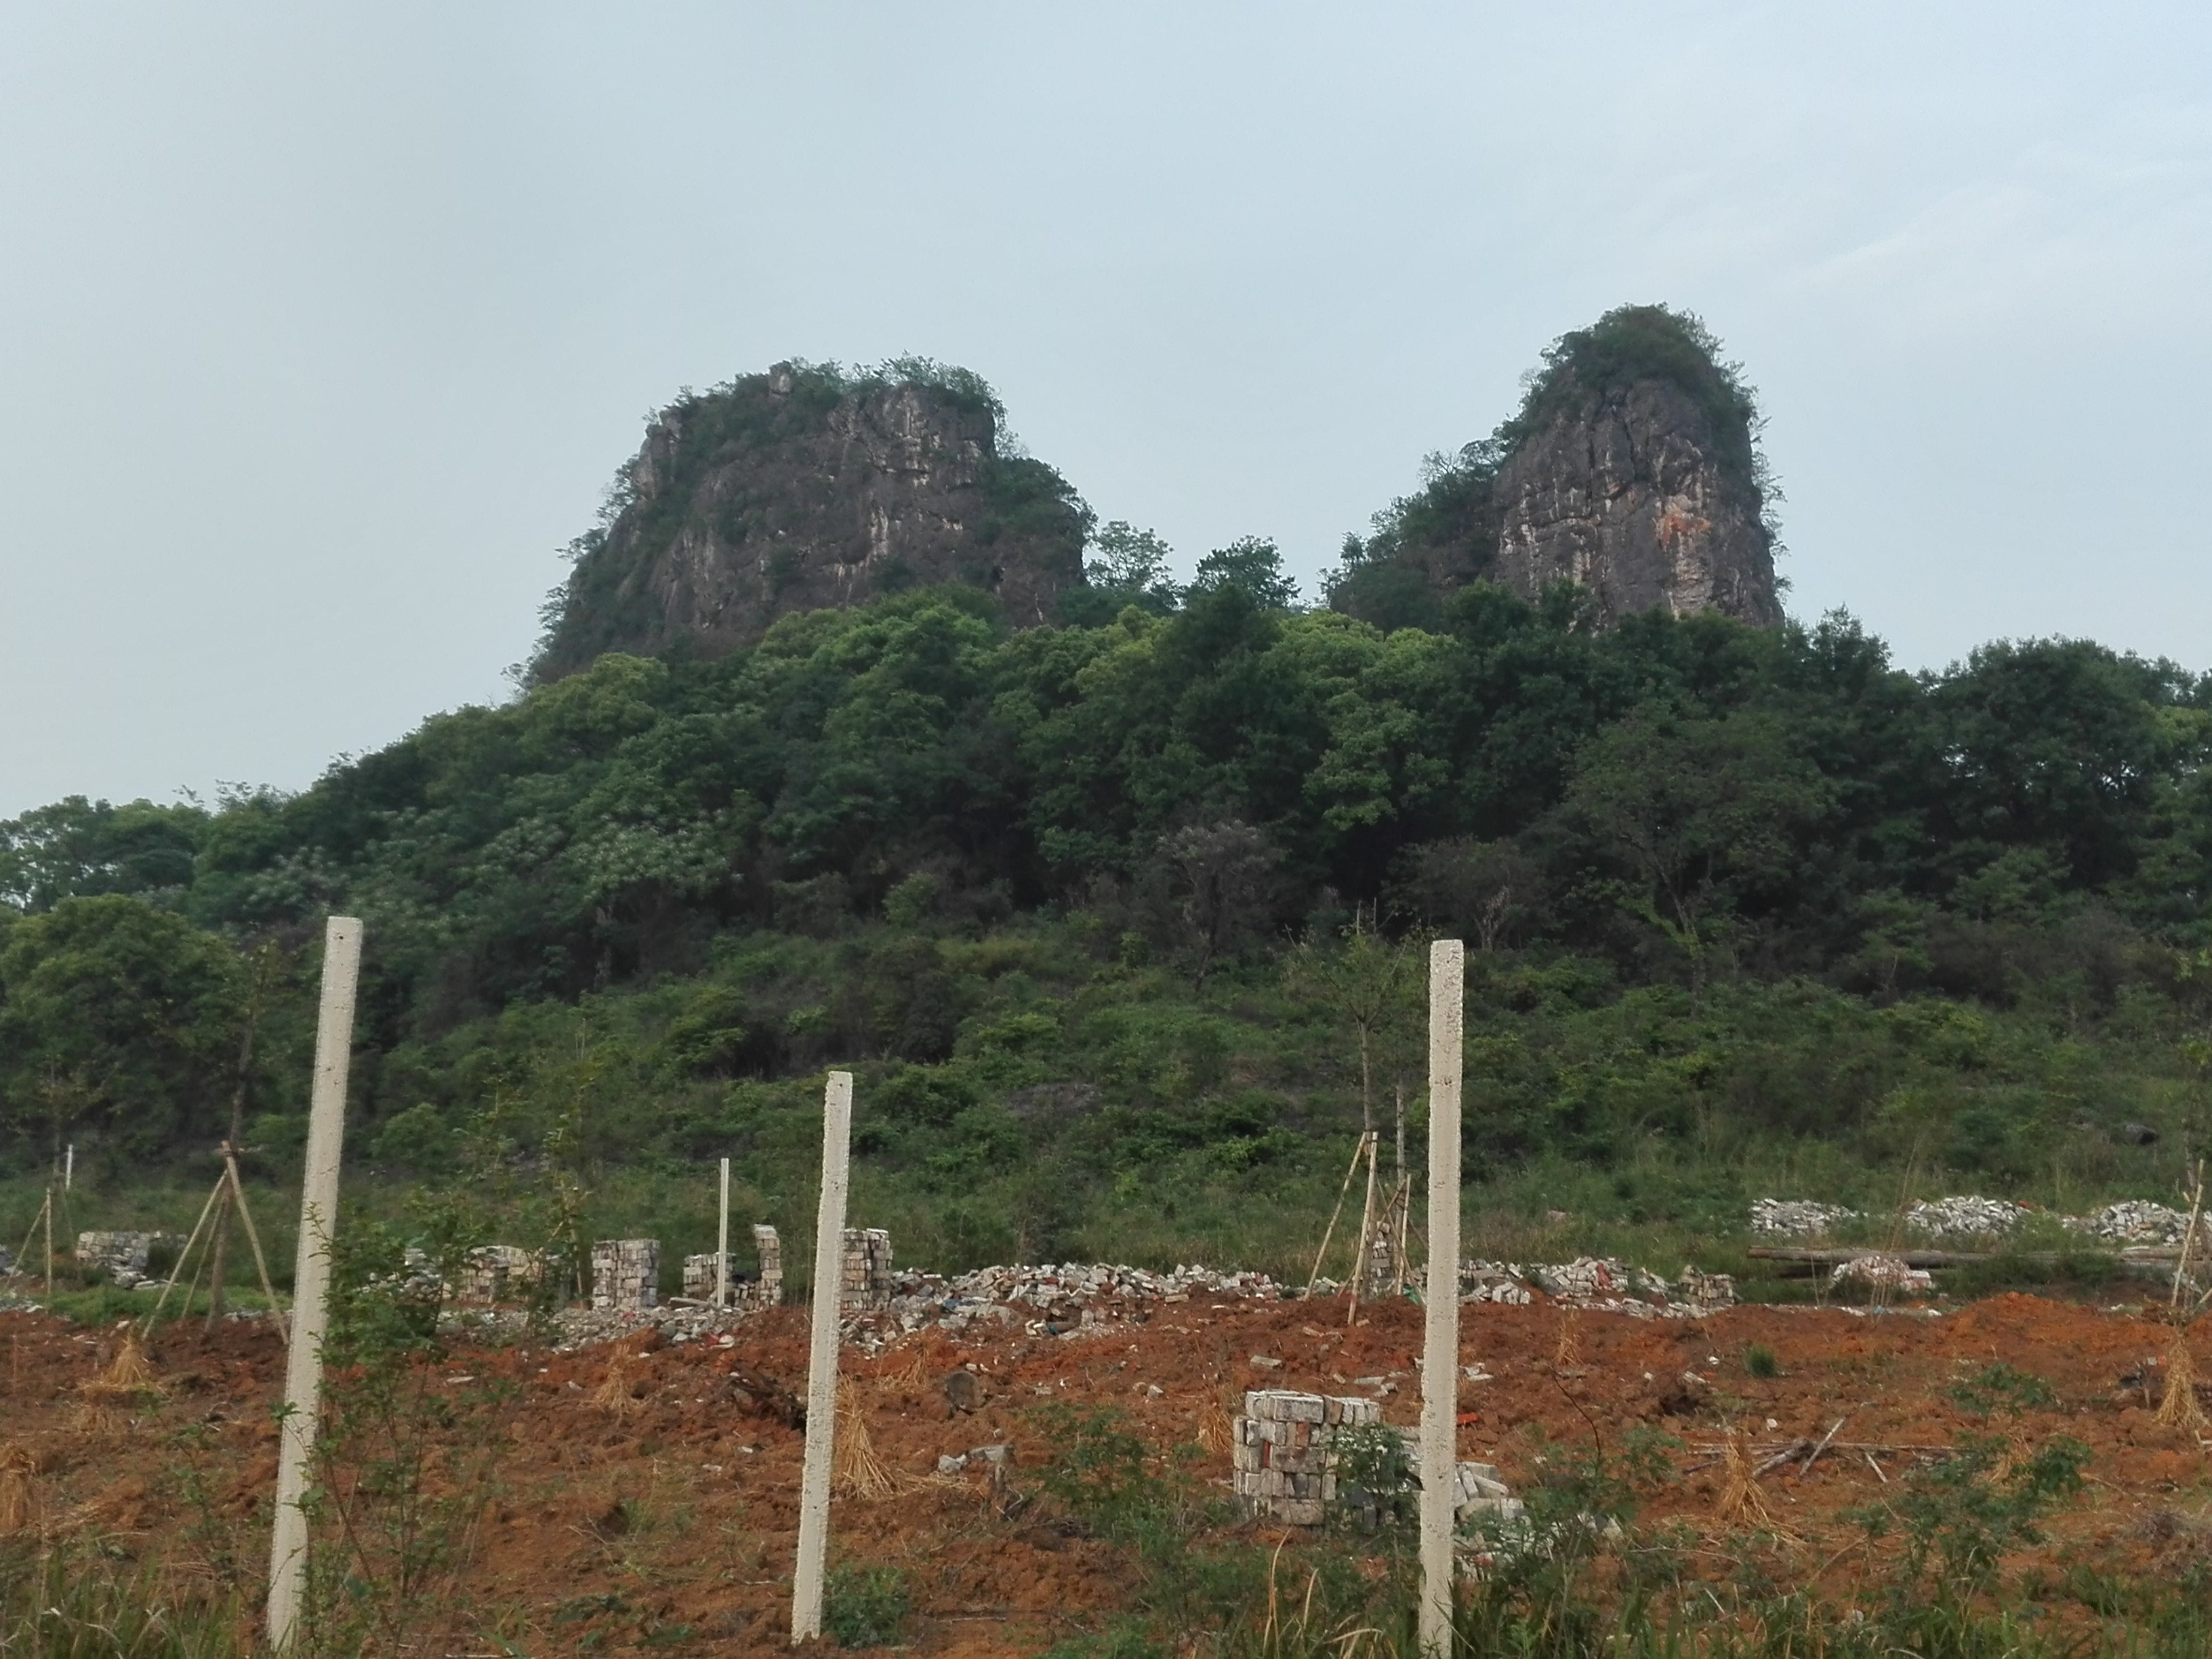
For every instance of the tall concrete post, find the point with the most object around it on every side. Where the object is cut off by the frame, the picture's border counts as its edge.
(1440, 1353)
(822, 1361)
(722, 1244)
(311, 1278)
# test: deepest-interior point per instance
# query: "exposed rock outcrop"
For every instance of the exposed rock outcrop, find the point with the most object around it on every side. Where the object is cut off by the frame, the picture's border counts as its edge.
(804, 487)
(1625, 494)
(1631, 471)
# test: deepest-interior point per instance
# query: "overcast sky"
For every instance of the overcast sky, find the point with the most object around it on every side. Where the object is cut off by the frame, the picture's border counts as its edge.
(323, 328)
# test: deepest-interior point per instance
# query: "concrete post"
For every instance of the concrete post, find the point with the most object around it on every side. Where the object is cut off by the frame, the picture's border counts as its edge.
(822, 1361)
(311, 1278)
(1440, 1353)
(722, 1244)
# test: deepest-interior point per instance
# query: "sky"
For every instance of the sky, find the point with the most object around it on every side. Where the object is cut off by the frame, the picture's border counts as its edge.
(323, 328)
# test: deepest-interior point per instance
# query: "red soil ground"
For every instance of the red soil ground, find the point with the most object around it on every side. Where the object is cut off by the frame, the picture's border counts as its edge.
(669, 1521)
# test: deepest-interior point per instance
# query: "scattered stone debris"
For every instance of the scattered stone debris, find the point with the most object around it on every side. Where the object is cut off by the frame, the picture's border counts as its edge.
(977, 1457)
(1796, 1218)
(1600, 1284)
(1964, 1216)
(1883, 1271)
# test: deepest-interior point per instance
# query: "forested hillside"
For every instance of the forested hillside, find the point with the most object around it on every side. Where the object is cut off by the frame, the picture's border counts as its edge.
(1119, 922)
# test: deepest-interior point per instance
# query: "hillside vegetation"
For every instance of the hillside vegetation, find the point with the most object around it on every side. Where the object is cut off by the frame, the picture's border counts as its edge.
(1119, 925)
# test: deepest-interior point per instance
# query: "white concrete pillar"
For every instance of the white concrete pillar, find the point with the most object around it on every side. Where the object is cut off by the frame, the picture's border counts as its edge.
(1440, 1351)
(311, 1278)
(722, 1244)
(822, 1360)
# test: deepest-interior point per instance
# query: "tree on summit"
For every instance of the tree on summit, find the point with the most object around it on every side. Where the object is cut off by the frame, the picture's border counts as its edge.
(1252, 563)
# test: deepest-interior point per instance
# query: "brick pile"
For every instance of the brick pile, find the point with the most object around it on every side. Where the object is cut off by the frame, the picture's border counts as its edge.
(769, 1248)
(762, 1290)
(1280, 1466)
(1284, 1465)
(865, 1279)
(625, 1274)
(494, 1273)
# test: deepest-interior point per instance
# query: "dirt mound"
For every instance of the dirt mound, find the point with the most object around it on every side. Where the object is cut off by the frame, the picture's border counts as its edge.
(646, 1492)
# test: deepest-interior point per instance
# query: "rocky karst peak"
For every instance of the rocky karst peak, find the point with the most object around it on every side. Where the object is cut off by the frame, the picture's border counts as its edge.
(1631, 471)
(808, 486)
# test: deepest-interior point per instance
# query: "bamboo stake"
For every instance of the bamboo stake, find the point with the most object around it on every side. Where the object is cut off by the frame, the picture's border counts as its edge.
(253, 1237)
(24, 1255)
(1329, 1232)
(176, 1272)
(1365, 1256)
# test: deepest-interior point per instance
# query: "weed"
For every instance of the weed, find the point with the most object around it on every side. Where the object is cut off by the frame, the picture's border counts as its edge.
(1960, 1516)
(73, 1605)
(2003, 1388)
(1759, 1361)
(865, 1606)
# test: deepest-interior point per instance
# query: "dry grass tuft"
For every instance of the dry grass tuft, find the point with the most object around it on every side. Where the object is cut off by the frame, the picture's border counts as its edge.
(912, 1374)
(1740, 1502)
(106, 1402)
(1569, 1352)
(856, 1467)
(1217, 1424)
(614, 1394)
(19, 1491)
(2180, 1408)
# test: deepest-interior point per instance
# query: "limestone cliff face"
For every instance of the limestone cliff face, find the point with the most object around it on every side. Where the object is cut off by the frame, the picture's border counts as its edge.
(1625, 495)
(800, 489)
(1631, 471)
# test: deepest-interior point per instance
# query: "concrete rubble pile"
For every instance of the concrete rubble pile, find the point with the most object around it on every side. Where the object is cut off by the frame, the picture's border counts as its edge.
(123, 1256)
(2131, 1221)
(1796, 1218)
(1284, 1462)
(2134, 1221)
(1883, 1273)
(1600, 1284)
(1056, 1301)
(1964, 1216)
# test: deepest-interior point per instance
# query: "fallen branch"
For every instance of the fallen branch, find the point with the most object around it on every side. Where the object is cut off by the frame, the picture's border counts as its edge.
(1817, 1450)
